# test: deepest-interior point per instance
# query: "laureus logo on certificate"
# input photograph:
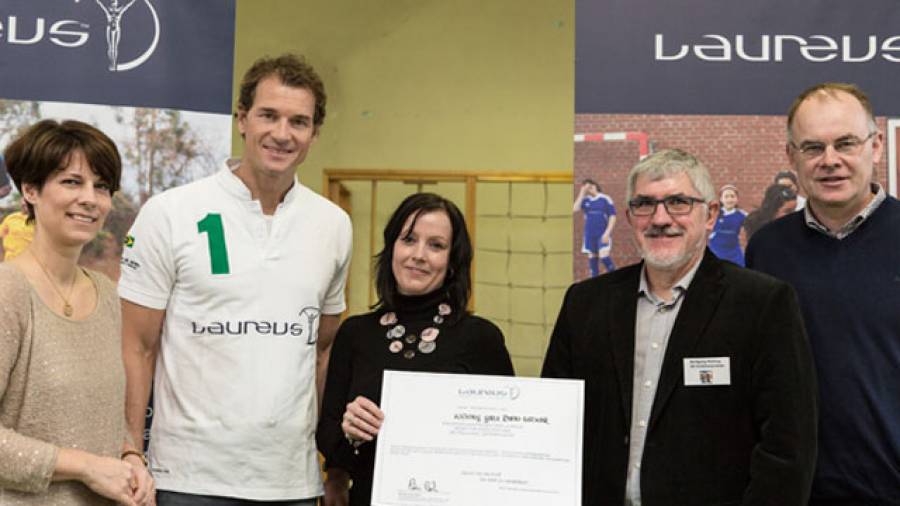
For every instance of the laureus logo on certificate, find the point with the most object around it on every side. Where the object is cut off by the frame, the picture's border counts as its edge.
(509, 393)
(456, 439)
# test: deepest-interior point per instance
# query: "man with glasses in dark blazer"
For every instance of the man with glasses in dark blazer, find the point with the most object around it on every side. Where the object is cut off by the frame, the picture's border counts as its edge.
(699, 382)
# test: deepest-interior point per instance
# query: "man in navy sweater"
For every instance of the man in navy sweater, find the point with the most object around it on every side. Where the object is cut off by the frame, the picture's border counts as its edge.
(842, 255)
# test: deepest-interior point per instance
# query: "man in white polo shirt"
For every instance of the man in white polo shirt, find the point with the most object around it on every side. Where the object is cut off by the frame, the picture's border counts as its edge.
(231, 289)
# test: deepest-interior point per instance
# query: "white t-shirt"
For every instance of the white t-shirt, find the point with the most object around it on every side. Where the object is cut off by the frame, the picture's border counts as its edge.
(234, 391)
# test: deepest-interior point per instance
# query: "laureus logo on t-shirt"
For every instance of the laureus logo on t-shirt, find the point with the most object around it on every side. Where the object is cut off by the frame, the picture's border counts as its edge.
(307, 326)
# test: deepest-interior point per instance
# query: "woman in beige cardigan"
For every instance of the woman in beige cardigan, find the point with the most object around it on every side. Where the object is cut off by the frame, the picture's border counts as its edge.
(62, 384)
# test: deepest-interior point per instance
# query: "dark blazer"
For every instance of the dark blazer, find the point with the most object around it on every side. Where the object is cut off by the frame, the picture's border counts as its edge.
(752, 442)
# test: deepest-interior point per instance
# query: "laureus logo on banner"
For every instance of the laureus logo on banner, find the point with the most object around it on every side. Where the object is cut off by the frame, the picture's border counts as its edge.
(114, 11)
(74, 33)
(767, 48)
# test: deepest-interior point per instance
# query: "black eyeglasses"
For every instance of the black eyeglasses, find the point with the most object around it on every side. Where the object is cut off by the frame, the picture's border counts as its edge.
(849, 145)
(674, 204)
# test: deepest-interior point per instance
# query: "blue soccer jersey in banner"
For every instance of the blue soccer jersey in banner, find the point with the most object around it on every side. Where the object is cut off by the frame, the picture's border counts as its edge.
(597, 211)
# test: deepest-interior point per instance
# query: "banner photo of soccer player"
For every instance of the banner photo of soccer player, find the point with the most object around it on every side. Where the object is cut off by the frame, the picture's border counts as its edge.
(154, 75)
(715, 79)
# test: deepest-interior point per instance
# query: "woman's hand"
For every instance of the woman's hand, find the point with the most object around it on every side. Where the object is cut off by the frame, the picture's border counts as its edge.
(143, 488)
(109, 477)
(362, 419)
(337, 486)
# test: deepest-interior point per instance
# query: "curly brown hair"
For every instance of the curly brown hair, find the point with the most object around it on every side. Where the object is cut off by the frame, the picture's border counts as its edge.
(292, 70)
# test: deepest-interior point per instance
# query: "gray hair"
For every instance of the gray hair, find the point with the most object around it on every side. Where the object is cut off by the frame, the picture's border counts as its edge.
(671, 162)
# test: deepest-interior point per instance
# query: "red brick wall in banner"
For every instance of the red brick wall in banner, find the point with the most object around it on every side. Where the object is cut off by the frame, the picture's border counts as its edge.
(743, 150)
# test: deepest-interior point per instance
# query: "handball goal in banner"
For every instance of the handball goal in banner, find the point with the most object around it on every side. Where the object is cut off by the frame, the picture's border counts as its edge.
(643, 140)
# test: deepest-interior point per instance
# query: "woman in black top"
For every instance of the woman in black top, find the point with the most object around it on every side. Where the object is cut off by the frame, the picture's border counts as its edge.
(420, 323)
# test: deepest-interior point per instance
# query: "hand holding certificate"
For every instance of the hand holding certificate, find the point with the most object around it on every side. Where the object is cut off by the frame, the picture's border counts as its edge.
(470, 440)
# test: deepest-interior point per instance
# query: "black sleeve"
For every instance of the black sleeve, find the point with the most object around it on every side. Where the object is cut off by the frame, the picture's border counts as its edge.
(784, 405)
(487, 353)
(329, 435)
(558, 360)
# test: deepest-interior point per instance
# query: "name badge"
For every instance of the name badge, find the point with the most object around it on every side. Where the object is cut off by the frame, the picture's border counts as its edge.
(707, 371)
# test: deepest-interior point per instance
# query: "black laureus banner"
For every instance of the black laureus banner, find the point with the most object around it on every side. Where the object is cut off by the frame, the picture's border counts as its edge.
(730, 57)
(174, 54)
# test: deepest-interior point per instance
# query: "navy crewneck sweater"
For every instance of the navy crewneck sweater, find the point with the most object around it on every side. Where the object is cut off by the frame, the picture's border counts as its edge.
(850, 297)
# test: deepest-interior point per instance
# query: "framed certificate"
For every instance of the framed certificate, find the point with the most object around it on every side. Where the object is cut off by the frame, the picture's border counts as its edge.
(455, 439)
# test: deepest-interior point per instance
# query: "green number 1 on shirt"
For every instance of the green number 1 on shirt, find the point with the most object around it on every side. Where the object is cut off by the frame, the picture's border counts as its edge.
(218, 254)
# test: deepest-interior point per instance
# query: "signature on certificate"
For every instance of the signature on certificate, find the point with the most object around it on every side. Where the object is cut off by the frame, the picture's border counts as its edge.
(427, 485)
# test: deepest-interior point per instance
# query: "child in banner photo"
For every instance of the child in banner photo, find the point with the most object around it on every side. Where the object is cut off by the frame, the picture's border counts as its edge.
(599, 221)
(16, 233)
(789, 178)
(724, 240)
(778, 201)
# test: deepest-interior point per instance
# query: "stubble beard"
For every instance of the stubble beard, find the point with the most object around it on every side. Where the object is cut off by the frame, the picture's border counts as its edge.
(669, 261)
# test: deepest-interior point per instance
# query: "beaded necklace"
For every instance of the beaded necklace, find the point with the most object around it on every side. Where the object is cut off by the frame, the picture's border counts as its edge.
(425, 341)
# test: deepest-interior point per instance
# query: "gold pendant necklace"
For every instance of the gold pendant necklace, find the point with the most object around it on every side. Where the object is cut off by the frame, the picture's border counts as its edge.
(68, 310)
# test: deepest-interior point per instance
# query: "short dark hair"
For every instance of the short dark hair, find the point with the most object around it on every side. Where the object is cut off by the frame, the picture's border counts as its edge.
(457, 284)
(292, 70)
(776, 196)
(591, 181)
(46, 147)
(785, 174)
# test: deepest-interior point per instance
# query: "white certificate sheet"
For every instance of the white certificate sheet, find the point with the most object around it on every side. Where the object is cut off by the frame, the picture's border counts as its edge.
(466, 440)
